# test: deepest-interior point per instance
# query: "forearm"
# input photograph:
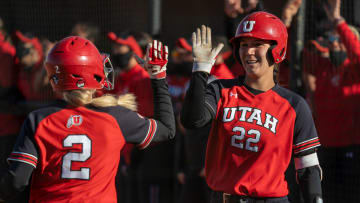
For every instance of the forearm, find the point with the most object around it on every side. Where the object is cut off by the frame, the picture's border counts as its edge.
(309, 176)
(194, 113)
(163, 111)
(310, 183)
(14, 180)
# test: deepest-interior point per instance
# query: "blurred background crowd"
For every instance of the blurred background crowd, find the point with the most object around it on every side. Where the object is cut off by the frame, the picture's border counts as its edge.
(322, 65)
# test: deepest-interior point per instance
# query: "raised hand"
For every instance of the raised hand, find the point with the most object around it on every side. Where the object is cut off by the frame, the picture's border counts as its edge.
(290, 10)
(332, 9)
(233, 8)
(203, 52)
(156, 60)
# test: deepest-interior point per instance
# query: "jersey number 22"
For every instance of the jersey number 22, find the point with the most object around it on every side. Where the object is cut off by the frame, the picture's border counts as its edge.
(250, 143)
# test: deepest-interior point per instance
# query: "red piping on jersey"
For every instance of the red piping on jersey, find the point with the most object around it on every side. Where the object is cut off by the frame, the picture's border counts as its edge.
(306, 145)
(150, 135)
(23, 157)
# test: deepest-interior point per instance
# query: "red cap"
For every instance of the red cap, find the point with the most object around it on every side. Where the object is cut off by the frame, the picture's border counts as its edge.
(181, 42)
(129, 41)
(34, 41)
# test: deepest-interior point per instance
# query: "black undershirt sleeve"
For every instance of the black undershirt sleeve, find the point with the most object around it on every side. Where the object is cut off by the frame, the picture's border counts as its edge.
(309, 179)
(15, 179)
(196, 112)
(163, 111)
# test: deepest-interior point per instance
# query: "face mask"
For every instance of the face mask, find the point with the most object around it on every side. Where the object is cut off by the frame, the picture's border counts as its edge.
(121, 61)
(21, 50)
(337, 57)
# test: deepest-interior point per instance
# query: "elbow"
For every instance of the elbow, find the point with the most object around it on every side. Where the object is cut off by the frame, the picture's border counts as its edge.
(19, 186)
(171, 134)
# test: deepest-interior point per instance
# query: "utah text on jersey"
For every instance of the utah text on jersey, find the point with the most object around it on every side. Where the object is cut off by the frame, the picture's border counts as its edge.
(269, 123)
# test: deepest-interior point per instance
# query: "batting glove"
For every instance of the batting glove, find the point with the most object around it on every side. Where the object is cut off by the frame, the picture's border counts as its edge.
(203, 53)
(156, 60)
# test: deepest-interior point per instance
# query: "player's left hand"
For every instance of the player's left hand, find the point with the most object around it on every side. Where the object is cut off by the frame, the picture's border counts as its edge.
(156, 60)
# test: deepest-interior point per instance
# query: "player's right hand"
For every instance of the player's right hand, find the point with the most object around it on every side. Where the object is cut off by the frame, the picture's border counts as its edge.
(156, 59)
(203, 52)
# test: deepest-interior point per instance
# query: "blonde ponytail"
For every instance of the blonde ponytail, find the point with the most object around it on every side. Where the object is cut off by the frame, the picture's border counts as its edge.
(84, 97)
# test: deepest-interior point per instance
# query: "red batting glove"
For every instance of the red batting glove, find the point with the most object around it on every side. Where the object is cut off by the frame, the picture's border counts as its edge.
(156, 60)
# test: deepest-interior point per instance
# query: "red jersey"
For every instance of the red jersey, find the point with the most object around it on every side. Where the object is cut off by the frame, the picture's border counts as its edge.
(76, 150)
(337, 93)
(253, 137)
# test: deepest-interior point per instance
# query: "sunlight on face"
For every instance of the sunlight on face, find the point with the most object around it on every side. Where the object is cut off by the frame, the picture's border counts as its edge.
(253, 55)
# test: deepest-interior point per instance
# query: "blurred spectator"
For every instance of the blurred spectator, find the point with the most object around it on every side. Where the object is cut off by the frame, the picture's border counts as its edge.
(332, 76)
(86, 30)
(288, 13)
(142, 38)
(235, 10)
(129, 75)
(30, 58)
(10, 116)
(29, 63)
(16, 63)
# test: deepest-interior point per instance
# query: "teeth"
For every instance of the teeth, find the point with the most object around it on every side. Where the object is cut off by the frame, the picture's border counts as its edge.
(251, 61)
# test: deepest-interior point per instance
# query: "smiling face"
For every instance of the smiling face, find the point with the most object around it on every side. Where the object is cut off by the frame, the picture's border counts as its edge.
(254, 57)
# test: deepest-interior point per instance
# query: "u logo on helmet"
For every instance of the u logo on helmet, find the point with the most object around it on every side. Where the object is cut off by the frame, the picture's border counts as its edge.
(80, 83)
(248, 26)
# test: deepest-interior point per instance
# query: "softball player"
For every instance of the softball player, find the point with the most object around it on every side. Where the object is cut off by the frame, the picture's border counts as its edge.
(72, 150)
(256, 124)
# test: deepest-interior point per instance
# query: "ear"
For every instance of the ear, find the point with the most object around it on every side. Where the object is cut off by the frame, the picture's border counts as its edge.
(269, 55)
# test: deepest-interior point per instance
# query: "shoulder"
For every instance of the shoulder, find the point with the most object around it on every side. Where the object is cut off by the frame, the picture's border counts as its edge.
(35, 117)
(119, 112)
(294, 99)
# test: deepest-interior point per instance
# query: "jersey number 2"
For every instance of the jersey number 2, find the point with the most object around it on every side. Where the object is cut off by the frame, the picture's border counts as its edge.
(237, 140)
(68, 158)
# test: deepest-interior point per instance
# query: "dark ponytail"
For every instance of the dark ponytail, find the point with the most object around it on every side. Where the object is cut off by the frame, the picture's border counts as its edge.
(270, 58)
(276, 73)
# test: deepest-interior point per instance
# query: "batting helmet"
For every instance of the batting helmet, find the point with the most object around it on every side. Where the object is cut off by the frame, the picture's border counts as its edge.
(75, 63)
(265, 26)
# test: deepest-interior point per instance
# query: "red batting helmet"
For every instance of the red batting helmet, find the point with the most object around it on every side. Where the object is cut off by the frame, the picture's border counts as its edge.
(75, 63)
(265, 26)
